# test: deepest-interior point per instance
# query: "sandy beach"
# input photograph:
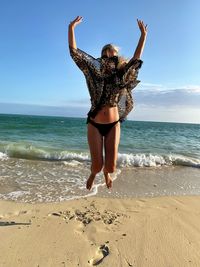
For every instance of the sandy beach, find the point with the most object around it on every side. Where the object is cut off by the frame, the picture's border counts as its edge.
(159, 231)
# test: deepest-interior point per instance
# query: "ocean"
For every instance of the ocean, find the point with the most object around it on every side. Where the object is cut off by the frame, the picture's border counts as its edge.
(47, 159)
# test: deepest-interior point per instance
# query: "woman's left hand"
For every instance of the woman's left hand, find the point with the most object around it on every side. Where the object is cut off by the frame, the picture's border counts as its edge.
(142, 27)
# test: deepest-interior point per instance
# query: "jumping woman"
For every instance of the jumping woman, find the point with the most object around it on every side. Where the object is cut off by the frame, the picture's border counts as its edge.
(110, 79)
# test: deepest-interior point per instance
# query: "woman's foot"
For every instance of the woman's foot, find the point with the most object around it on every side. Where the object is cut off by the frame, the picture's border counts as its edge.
(108, 180)
(90, 181)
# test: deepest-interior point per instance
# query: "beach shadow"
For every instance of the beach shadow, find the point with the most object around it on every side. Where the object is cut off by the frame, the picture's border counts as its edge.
(12, 223)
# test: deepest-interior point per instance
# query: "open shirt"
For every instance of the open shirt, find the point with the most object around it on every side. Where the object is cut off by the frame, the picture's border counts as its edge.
(106, 83)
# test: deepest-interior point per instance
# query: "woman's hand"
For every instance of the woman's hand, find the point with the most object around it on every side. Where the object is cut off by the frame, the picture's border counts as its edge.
(76, 21)
(142, 27)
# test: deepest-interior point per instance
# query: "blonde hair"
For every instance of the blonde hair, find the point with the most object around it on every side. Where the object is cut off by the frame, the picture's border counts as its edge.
(122, 60)
(109, 47)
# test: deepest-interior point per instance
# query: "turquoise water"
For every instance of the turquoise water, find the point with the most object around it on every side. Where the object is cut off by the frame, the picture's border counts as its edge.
(40, 153)
(54, 138)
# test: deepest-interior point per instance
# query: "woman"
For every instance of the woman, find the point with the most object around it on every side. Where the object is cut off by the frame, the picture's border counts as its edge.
(110, 80)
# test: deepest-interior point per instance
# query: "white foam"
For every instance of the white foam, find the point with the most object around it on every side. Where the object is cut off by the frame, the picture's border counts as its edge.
(46, 192)
(140, 160)
(72, 163)
(71, 155)
(3, 156)
(183, 160)
(16, 194)
(94, 189)
(150, 160)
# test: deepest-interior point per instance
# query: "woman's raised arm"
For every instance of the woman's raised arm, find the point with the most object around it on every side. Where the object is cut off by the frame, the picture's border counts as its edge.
(71, 34)
(82, 59)
(141, 43)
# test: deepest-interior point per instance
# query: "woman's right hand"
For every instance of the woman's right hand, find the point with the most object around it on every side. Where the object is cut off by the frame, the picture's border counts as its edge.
(143, 28)
(76, 21)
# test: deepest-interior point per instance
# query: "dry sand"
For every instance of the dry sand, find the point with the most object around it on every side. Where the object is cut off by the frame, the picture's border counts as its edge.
(139, 232)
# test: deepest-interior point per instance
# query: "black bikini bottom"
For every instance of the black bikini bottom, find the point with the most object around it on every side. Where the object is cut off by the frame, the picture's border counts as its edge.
(103, 128)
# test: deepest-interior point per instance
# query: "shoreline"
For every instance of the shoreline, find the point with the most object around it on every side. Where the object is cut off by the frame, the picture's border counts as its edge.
(154, 181)
(127, 183)
(158, 231)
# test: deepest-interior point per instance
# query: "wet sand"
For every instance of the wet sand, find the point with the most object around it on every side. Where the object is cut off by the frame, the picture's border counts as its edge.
(153, 182)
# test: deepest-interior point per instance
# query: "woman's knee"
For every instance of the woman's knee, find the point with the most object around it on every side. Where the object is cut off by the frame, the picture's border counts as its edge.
(110, 168)
(95, 168)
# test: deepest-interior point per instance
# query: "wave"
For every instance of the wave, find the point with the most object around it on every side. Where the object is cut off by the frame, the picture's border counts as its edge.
(152, 160)
(27, 151)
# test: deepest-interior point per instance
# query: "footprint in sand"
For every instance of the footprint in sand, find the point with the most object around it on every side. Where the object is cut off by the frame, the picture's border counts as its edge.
(101, 253)
(90, 215)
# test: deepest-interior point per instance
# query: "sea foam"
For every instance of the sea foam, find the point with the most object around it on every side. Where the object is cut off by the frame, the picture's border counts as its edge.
(153, 160)
(3, 156)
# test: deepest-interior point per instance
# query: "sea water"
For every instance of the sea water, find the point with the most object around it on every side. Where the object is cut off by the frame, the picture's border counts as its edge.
(47, 158)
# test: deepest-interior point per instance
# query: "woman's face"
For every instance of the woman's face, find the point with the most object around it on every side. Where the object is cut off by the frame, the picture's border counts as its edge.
(110, 61)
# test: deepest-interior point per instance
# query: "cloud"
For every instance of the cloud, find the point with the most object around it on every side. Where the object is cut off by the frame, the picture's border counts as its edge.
(175, 114)
(153, 102)
(154, 95)
(159, 96)
(151, 85)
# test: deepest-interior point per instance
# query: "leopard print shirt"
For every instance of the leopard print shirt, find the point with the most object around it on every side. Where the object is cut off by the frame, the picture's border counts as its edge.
(107, 84)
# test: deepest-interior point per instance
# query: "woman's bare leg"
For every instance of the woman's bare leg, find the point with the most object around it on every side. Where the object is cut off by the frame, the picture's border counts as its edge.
(95, 141)
(111, 143)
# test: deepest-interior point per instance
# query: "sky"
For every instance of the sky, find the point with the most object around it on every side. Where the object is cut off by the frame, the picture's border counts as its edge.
(38, 76)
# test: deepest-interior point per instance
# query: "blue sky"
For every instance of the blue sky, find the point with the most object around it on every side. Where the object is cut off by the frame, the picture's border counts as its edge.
(38, 75)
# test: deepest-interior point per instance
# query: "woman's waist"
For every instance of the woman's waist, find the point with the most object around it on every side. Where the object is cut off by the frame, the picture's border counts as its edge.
(107, 114)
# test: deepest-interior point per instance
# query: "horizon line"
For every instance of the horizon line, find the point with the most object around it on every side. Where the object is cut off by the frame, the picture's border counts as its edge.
(36, 115)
